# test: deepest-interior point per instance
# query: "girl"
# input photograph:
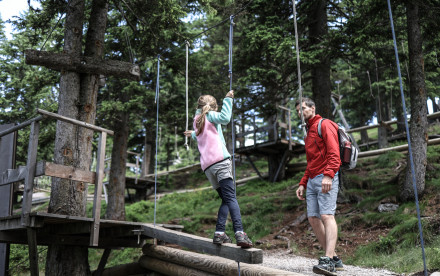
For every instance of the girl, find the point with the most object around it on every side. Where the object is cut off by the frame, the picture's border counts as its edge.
(216, 163)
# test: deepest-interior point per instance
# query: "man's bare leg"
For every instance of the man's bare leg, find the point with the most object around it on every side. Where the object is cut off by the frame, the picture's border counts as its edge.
(331, 234)
(319, 230)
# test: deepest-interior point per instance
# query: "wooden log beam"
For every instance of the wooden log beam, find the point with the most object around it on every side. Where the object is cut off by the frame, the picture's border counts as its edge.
(429, 116)
(82, 64)
(397, 148)
(204, 245)
(210, 264)
(171, 269)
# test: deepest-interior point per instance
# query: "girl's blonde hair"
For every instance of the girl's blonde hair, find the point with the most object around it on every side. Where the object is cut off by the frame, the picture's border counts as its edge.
(205, 103)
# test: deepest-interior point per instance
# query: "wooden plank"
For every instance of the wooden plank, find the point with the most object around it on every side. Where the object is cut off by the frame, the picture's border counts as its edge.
(30, 172)
(33, 253)
(94, 233)
(20, 237)
(83, 64)
(204, 245)
(283, 125)
(74, 122)
(66, 172)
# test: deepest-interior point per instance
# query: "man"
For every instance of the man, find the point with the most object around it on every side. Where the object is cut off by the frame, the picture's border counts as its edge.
(321, 183)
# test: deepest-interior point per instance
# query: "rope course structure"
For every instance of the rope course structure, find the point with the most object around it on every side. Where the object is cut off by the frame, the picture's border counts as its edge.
(231, 31)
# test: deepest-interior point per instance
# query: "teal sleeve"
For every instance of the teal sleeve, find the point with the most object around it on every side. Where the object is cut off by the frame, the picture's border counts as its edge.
(224, 116)
(193, 135)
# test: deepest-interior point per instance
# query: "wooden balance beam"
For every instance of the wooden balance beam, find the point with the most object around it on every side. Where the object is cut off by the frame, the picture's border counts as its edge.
(170, 261)
(204, 245)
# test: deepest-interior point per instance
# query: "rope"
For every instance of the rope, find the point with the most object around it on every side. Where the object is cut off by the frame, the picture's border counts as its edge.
(298, 65)
(56, 24)
(239, 270)
(231, 36)
(156, 100)
(409, 140)
(186, 94)
(130, 51)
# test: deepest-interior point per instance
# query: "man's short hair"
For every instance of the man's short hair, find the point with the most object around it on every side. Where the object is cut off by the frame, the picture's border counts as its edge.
(309, 102)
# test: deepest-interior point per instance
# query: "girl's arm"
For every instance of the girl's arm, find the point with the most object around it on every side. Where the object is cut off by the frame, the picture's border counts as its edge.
(224, 116)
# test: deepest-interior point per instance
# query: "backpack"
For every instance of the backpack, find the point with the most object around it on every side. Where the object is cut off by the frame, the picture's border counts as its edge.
(348, 152)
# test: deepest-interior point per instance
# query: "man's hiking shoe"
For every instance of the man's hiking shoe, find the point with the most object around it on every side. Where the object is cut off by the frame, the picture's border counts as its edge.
(326, 266)
(243, 240)
(338, 263)
(221, 238)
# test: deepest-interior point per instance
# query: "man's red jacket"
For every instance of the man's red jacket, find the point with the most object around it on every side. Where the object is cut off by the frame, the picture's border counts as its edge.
(322, 154)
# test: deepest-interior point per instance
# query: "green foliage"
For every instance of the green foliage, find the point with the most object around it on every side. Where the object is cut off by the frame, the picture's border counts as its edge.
(388, 159)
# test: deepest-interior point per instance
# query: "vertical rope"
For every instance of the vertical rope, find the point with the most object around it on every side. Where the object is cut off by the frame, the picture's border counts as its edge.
(156, 100)
(239, 270)
(409, 140)
(186, 93)
(298, 65)
(231, 36)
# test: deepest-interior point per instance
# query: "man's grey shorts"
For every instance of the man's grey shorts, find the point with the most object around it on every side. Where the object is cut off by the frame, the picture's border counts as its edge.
(318, 203)
(219, 171)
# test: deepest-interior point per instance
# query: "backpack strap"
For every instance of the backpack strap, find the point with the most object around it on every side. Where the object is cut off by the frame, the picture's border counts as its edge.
(319, 127)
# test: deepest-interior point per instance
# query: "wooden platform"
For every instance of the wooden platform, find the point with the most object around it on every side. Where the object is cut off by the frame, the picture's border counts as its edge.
(272, 147)
(73, 230)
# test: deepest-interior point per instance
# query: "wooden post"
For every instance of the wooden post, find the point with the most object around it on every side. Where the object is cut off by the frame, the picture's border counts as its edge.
(94, 232)
(27, 196)
(102, 262)
(30, 173)
(33, 253)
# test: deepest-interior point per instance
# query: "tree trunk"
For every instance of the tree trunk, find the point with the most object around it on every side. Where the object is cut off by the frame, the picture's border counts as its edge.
(418, 97)
(66, 197)
(400, 116)
(73, 145)
(116, 183)
(321, 86)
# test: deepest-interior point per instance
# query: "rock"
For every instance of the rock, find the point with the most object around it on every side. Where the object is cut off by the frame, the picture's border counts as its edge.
(387, 207)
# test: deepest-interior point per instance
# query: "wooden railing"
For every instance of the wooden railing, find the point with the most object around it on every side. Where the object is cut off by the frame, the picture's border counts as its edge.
(34, 168)
(267, 131)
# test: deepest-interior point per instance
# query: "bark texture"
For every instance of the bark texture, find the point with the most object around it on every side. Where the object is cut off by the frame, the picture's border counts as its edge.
(116, 185)
(321, 85)
(418, 124)
(73, 145)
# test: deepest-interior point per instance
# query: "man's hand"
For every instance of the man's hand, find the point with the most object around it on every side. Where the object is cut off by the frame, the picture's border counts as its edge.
(230, 94)
(300, 192)
(326, 184)
(188, 133)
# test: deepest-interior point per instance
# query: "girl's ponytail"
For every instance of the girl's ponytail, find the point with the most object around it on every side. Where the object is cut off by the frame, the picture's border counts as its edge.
(205, 103)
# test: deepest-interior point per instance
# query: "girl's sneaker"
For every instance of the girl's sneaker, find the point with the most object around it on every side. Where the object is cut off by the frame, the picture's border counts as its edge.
(221, 238)
(243, 240)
